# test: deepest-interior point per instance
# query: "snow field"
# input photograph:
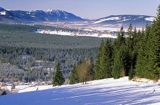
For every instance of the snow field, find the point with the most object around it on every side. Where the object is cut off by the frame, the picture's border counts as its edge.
(99, 92)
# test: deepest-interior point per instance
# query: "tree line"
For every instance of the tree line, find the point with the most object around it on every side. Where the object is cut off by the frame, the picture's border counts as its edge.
(22, 64)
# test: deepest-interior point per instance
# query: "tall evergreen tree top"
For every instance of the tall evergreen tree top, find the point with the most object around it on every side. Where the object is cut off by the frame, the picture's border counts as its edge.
(58, 78)
(120, 39)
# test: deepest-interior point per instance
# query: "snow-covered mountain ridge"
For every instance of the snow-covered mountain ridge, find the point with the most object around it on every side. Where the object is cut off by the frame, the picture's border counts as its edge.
(41, 16)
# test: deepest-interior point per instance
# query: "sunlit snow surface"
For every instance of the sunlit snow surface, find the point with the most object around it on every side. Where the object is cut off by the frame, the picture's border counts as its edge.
(64, 33)
(150, 19)
(105, 19)
(100, 92)
(3, 13)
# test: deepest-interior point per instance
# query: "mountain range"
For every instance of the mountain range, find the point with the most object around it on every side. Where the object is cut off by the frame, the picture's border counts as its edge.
(36, 16)
(19, 16)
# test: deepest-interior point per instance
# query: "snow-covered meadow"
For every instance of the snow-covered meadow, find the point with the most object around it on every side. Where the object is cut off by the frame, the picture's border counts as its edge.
(65, 33)
(98, 92)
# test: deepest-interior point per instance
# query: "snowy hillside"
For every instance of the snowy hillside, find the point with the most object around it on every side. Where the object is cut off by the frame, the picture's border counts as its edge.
(126, 20)
(100, 92)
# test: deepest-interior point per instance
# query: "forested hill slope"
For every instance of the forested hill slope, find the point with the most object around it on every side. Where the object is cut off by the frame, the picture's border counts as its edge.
(21, 49)
(24, 36)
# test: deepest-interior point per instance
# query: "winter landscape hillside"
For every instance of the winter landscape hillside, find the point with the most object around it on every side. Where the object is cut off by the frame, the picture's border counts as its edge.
(99, 92)
(82, 52)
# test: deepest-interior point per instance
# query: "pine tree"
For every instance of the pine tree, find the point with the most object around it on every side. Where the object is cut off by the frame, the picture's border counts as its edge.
(118, 68)
(155, 55)
(132, 45)
(58, 78)
(98, 62)
(134, 52)
(119, 56)
(142, 55)
(108, 59)
(129, 50)
(103, 66)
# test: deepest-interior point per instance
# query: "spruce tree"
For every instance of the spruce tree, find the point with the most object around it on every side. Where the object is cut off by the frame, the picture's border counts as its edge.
(129, 51)
(132, 45)
(103, 66)
(133, 53)
(118, 68)
(98, 62)
(119, 55)
(142, 55)
(148, 63)
(108, 59)
(155, 55)
(58, 78)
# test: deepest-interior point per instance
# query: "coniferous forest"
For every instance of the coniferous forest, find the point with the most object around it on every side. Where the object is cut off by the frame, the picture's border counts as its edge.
(137, 54)
(27, 56)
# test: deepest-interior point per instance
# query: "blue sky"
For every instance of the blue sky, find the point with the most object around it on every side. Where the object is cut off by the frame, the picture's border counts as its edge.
(87, 8)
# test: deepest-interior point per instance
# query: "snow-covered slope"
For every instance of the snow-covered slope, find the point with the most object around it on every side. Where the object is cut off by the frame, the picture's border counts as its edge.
(3, 13)
(107, 19)
(99, 92)
(150, 19)
(126, 20)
